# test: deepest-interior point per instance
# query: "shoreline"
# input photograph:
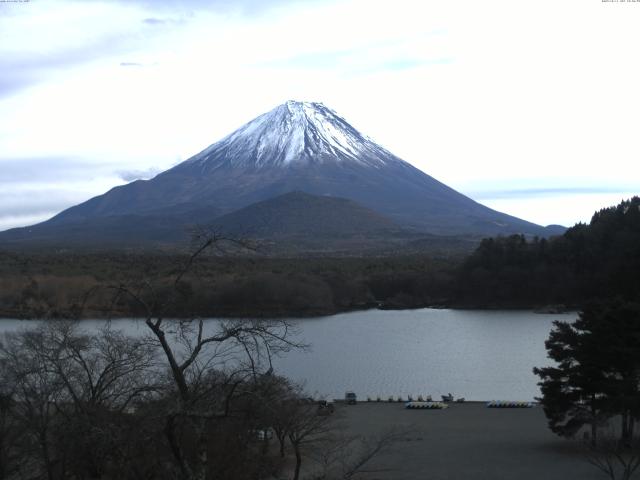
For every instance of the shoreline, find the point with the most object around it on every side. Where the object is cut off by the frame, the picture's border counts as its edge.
(542, 310)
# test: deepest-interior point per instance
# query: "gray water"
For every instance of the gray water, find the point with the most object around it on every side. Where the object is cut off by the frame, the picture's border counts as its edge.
(479, 355)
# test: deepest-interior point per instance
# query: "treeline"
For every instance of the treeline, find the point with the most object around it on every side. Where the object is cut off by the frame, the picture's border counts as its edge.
(598, 260)
(66, 285)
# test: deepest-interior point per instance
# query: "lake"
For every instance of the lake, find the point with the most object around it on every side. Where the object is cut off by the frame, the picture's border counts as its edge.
(479, 355)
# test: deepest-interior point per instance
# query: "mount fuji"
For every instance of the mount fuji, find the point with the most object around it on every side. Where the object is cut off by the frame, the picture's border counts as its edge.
(296, 147)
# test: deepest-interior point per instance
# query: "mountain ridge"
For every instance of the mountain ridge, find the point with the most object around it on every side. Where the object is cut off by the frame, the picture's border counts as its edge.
(305, 147)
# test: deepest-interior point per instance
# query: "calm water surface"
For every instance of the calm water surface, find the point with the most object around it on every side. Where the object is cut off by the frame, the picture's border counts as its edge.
(479, 355)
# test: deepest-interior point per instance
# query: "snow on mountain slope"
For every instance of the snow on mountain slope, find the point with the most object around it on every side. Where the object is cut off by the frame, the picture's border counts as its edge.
(294, 133)
(305, 147)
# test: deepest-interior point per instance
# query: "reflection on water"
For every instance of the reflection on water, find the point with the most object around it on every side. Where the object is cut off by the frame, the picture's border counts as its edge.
(479, 355)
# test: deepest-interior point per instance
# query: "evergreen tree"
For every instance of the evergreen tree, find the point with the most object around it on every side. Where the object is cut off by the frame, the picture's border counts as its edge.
(597, 374)
(572, 392)
(599, 260)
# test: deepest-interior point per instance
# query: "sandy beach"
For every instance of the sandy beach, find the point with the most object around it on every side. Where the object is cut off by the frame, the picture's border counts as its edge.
(468, 441)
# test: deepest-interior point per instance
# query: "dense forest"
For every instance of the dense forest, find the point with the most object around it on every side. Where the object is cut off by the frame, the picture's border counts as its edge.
(64, 285)
(600, 259)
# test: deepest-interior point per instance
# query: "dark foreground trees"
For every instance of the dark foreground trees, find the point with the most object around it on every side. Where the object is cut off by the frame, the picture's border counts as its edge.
(76, 405)
(67, 397)
(597, 376)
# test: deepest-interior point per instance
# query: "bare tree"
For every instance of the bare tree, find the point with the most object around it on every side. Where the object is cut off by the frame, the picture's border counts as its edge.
(11, 435)
(107, 370)
(346, 457)
(306, 429)
(70, 391)
(242, 349)
(617, 459)
(321, 438)
(36, 391)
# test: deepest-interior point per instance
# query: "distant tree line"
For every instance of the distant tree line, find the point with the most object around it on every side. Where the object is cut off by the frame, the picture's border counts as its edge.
(588, 261)
(54, 285)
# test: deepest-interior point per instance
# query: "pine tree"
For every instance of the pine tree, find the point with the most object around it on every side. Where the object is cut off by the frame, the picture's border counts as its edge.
(597, 374)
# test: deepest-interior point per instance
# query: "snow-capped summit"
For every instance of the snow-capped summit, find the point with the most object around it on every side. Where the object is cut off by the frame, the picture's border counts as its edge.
(296, 147)
(293, 133)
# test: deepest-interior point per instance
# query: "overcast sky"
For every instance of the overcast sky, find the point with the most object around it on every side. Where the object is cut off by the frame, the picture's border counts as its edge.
(530, 107)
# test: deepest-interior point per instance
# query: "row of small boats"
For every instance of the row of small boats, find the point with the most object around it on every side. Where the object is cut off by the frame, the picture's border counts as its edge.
(426, 405)
(492, 404)
(509, 404)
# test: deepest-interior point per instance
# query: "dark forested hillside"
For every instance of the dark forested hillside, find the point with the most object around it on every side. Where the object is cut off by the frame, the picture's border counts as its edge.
(601, 259)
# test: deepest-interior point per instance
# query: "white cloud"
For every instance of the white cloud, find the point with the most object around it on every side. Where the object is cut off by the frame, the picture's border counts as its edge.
(26, 202)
